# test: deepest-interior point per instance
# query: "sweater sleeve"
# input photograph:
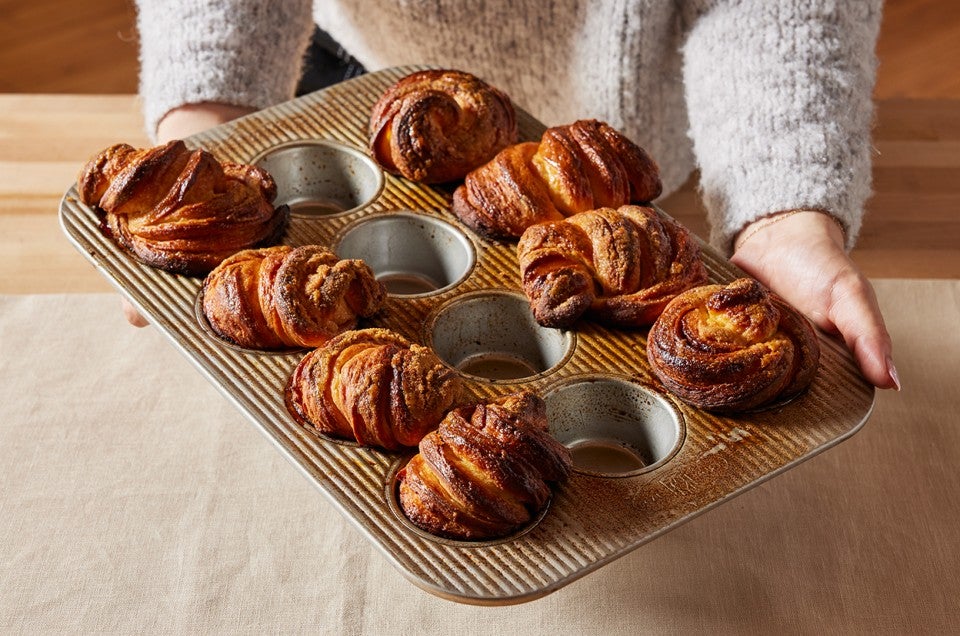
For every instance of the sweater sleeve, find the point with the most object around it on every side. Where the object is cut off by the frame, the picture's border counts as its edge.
(240, 52)
(779, 94)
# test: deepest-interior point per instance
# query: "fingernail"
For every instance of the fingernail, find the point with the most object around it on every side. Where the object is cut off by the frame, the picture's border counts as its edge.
(892, 371)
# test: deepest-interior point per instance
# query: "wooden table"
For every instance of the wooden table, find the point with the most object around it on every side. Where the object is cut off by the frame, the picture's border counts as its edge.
(864, 538)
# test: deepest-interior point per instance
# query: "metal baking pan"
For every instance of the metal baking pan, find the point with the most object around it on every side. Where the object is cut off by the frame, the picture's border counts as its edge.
(646, 462)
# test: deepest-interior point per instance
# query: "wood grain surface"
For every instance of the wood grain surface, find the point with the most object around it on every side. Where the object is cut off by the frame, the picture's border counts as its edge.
(51, 46)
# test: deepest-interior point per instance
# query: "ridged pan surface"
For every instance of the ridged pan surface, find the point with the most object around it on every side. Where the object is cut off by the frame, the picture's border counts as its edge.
(593, 518)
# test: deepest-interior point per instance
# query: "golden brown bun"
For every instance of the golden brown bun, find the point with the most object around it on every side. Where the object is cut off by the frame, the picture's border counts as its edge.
(280, 297)
(732, 348)
(438, 125)
(618, 266)
(574, 168)
(485, 472)
(181, 210)
(372, 386)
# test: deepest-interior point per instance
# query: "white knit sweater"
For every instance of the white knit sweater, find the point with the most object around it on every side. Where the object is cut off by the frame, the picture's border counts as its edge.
(770, 99)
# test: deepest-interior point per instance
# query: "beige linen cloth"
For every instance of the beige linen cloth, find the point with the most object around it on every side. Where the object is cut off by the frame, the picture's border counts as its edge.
(137, 499)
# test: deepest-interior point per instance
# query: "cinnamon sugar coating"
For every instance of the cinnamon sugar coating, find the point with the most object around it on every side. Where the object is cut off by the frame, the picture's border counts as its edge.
(181, 210)
(436, 126)
(282, 297)
(729, 348)
(374, 387)
(618, 266)
(573, 168)
(486, 471)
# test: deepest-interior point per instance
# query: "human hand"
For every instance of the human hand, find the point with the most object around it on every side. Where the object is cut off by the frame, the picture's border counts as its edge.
(182, 122)
(801, 256)
(190, 119)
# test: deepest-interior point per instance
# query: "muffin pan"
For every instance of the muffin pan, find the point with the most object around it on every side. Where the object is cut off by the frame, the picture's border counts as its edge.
(644, 461)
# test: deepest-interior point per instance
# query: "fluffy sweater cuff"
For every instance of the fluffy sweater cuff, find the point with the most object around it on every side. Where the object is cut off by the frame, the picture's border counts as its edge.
(780, 109)
(192, 52)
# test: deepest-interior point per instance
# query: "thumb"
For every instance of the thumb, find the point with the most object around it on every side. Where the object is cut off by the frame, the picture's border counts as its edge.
(132, 315)
(855, 313)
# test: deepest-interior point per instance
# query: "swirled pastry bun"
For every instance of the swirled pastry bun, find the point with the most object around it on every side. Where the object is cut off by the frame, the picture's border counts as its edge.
(620, 266)
(436, 126)
(735, 347)
(181, 210)
(486, 471)
(574, 168)
(282, 297)
(374, 387)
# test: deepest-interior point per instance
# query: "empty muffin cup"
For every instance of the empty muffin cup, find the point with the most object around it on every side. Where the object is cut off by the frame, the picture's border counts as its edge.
(411, 254)
(321, 178)
(612, 426)
(492, 335)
